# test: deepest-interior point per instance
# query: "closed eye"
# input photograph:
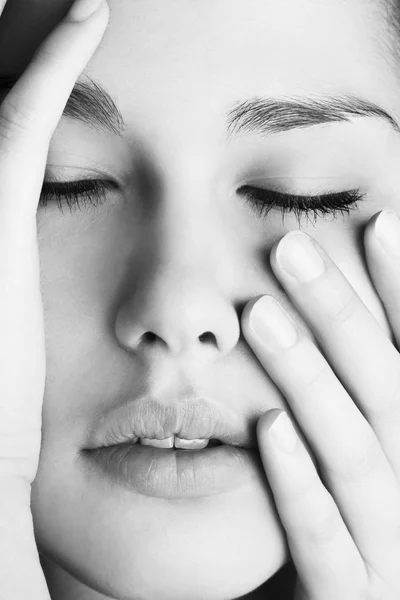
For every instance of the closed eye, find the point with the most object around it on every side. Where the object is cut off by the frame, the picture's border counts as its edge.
(74, 193)
(94, 191)
(264, 200)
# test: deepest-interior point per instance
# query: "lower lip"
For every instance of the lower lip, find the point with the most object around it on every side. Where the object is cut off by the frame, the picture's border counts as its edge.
(169, 473)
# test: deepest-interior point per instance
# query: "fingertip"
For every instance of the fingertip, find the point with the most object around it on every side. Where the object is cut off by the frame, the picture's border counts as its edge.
(246, 314)
(273, 255)
(369, 231)
(83, 10)
(385, 231)
(266, 421)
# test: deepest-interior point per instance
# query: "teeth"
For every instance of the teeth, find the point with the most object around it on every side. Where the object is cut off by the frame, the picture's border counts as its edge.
(190, 444)
(196, 444)
(167, 443)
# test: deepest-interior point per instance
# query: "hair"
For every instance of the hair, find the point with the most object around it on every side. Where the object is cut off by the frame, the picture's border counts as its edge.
(392, 34)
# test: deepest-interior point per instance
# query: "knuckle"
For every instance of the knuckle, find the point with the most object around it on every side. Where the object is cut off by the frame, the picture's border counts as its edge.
(317, 381)
(15, 121)
(342, 307)
(359, 462)
(326, 523)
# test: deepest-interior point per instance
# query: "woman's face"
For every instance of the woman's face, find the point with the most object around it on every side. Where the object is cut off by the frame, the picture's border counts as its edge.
(175, 251)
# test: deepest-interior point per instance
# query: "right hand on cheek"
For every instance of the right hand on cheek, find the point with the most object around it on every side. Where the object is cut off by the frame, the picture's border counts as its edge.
(28, 118)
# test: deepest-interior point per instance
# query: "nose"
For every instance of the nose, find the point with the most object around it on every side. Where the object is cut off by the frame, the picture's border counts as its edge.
(178, 295)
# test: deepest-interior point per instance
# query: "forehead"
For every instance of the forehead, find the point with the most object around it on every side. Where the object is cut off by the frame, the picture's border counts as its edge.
(281, 42)
(278, 43)
(179, 55)
(185, 57)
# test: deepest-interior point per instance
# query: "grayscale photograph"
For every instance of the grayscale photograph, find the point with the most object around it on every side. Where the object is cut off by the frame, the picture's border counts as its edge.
(199, 299)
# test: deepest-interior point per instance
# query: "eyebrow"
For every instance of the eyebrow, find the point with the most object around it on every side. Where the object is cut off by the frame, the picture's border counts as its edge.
(92, 105)
(265, 116)
(88, 103)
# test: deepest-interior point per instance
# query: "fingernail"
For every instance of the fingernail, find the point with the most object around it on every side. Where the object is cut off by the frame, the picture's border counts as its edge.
(283, 434)
(387, 232)
(83, 9)
(298, 256)
(272, 324)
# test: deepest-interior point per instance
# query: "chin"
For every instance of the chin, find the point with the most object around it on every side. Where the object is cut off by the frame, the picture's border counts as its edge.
(130, 547)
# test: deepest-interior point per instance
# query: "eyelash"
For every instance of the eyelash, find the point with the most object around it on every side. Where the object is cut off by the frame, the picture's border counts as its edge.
(88, 191)
(94, 192)
(263, 201)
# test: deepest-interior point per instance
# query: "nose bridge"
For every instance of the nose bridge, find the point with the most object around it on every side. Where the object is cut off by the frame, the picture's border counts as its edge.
(177, 298)
(185, 236)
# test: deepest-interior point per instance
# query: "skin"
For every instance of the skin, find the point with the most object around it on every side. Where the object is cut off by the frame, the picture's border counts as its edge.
(100, 279)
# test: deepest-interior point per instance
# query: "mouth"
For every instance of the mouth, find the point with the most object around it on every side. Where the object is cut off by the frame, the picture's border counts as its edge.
(172, 423)
(175, 442)
(189, 448)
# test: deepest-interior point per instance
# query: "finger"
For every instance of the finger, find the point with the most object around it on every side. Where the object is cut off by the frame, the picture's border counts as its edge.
(28, 116)
(31, 111)
(353, 464)
(326, 558)
(382, 248)
(357, 348)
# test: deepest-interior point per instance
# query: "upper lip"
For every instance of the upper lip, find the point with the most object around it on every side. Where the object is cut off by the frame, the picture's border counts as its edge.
(189, 417)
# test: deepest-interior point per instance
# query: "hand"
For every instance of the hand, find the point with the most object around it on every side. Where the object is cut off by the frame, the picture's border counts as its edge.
(342, 517)
(28, 118)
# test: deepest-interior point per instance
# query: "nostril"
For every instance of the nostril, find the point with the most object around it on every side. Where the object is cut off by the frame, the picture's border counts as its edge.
(208, 338)
(149, 338)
